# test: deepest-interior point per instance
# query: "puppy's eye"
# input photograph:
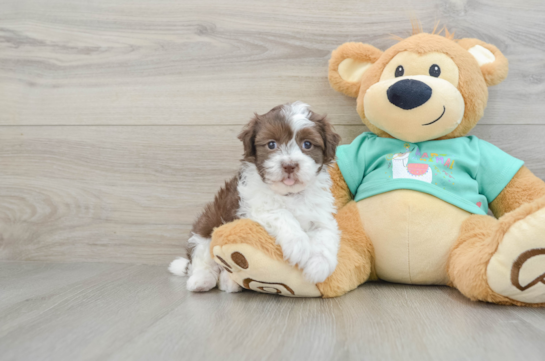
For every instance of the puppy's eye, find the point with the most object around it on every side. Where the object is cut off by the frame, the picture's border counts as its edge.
(271, 145)
(435, 70)
(400, 71)
(307, 144)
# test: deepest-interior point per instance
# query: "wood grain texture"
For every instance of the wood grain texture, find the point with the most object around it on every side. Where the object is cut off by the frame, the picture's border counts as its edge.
(129, 194)
(122, 194)
(138, 312)
(119, 118)
(118, 122)
(211, 62)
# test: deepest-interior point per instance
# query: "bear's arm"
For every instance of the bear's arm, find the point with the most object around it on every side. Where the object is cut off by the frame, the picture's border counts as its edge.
(524, 188)
(340, 189)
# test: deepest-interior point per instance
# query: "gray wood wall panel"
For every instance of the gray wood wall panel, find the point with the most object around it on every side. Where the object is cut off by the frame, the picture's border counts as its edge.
(130, 194)
(210, 61)
(118, 119)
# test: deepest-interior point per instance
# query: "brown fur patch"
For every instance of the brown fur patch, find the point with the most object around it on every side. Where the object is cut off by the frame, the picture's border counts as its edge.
(311, 134)
(222, 210)
(271, 126)
(330, 138)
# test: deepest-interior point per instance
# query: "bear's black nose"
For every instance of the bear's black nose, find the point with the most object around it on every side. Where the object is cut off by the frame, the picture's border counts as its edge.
(408, 94)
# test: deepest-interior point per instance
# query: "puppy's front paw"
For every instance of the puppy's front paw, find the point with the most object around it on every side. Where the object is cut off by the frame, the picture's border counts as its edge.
(295, 248)
(201, 282)
(319, 267)
(226, 284)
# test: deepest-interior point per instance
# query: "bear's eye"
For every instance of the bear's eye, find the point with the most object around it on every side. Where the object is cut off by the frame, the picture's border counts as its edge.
(400, 71)
(435, 70)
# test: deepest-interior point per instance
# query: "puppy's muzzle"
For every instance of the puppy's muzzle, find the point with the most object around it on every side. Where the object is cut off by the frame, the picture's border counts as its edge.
(290, 168)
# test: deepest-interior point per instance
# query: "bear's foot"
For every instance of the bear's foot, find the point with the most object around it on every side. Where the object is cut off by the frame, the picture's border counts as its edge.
(517, 269)
(253, 269)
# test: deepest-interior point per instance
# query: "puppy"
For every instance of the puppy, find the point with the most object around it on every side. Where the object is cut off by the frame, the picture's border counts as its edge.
(283, 185)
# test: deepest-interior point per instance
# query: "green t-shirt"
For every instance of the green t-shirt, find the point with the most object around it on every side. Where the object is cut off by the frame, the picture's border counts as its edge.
(466, 172)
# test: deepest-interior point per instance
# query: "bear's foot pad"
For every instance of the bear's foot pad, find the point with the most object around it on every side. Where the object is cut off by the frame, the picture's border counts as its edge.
(517, 269)
(256, 271)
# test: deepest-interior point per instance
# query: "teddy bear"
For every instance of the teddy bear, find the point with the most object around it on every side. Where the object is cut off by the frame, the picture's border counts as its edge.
(412, 194)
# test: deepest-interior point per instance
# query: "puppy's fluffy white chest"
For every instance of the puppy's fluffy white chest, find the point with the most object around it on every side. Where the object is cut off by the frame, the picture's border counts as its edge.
(312, 207)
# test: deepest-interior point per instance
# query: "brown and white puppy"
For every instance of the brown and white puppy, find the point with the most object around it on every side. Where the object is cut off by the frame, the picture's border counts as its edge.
(284, 185)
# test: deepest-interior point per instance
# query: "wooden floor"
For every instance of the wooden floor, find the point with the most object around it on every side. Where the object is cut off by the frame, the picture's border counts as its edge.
(118, 121)
(92, 311)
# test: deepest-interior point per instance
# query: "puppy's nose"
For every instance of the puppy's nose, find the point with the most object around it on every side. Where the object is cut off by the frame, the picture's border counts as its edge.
(289, 168)
(408, 94)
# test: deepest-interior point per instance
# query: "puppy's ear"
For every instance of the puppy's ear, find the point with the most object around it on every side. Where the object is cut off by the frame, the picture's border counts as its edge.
(493, 63)
(348, 64)
(247, 137)
(330, 138)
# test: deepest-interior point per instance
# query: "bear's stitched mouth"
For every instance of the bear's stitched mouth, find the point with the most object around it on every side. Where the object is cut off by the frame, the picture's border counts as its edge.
(441, 116)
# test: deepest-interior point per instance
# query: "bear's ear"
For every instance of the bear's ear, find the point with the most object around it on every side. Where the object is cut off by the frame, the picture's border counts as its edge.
(493, 63)
(347, 65)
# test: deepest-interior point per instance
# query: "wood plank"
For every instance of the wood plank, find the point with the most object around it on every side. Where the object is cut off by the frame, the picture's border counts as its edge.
(90, 318)
(121, 194)
(209, 62)
(375, 322)
(141, 313)
(27, 289)
(130, 194)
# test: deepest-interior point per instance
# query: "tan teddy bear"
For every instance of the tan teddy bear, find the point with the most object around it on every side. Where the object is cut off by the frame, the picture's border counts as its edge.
(412, 195)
